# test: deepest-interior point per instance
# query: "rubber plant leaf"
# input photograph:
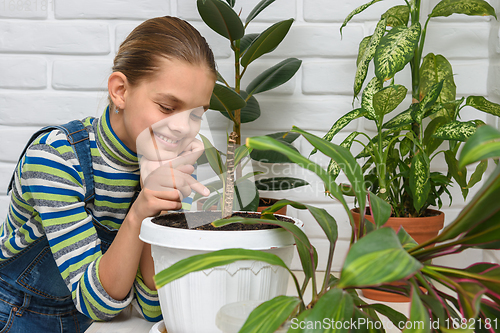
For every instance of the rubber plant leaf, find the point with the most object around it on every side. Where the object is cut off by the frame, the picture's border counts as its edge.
(248, 113)
(456, 130)
(395, 50)
(272, 156)
(420, 185)
(375, 259)
(429, 100)
(484, 144)
(468, 7)
(374, 86)
(258, 9)
(274, 76)
(225, 99)
(269, 316)
(388, 99)
(397, 16)
(279, 183)
(482, 104)
(381, 210)
(246, 41)
(231, 2)
(368, 54)
(355, 12)
(221, 18)
(419, 315)
(434, 69)
(266, 42)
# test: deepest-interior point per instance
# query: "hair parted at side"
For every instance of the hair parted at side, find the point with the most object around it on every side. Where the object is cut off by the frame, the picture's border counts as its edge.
(168, 37)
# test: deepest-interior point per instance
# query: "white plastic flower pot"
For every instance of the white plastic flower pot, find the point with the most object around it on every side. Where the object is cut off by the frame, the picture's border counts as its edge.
(190, 304)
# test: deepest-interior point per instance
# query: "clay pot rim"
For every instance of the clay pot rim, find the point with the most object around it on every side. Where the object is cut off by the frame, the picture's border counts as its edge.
(437, 213)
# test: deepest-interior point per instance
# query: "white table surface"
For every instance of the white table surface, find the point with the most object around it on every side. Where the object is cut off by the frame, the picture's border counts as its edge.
(130, 321)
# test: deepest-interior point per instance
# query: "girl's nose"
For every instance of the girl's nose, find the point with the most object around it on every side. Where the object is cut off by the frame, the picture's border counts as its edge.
(179, 122)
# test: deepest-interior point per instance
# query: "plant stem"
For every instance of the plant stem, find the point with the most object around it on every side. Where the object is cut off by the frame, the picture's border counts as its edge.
(328, 267)
(237, 88)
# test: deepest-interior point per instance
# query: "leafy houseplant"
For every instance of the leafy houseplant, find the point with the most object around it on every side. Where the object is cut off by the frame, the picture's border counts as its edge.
(240, 105)
(378, 255)
(397, 160)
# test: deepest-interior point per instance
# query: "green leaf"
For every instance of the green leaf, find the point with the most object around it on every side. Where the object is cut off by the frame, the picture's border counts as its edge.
(250, 112)
(201, 262)
(257, 9)
(387, 99)
(395, 51)
(246, 197)
(455, 130)
(419, 112)
(431, 143)
(269, 316)
(225, 99)
(368, 54)
(394, 316)
(406, 240)
(402, 119)
(355, 12)
(221, 18)
(279, 183)
(468, 7)
(434, 69)
(246, 41)
(478, 174)
(419, 179)
(211, 201)
(375, 259)
(326, 222)
(266, 42)
(367, 98)
(381, 209)
(485, 143)
(240, 153)
(362, 48)
(419, 317)
(397, 16)
(214, 158)
(274, 76)
(272, 156)
(482, 104)
(459, 174)
(333, 167)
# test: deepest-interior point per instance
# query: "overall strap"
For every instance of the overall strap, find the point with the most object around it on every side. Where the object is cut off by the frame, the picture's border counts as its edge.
(78, 137)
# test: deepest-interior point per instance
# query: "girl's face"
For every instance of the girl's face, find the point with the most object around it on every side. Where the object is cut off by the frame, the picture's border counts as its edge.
(162, 115)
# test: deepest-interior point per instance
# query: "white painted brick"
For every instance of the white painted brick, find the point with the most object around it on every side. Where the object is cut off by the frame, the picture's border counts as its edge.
(329, 77)
(313, 229)
(218, 44)
(277, 11)
(24, 9)
(81, 74)
(460, 260)
(492, 256)
(337, 11)
(322, 247)
(55, 37)
(4, 206)
(48, 108)
(471, 77)
(23, 72)
(118, 9)
(14, 140)
(6, 170)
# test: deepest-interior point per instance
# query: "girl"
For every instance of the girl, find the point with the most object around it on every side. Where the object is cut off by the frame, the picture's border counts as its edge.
(70, 251)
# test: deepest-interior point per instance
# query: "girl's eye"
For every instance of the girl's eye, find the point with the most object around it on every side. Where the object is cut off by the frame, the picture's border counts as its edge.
(196, 117)
(166, 109)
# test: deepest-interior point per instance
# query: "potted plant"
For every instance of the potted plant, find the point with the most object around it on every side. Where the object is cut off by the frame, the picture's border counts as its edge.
(377, 256)
(239, 104)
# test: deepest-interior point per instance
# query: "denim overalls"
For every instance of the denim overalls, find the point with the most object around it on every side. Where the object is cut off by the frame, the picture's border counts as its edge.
(33, 295)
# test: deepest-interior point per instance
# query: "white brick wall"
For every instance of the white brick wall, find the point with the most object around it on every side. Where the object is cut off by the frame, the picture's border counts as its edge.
(55, 56)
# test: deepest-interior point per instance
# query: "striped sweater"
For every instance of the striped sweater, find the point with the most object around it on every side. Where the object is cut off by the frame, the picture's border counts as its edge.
(47, 199)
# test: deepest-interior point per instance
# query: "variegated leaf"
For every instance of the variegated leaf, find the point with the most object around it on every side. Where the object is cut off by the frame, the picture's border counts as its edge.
(395, 50)
(341, 123)
(419, 179)
(456, 130)
(367, 56)
(362, 47)
(397, 16)
(436, 68)
(402, 119)
(468, 7)
(367, 99)
(482, 104)
(333, 167)
(355, 12)
(387, 99)
(418, 113)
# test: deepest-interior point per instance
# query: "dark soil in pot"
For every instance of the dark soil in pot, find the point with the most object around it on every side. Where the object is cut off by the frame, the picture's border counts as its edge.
(178, 220)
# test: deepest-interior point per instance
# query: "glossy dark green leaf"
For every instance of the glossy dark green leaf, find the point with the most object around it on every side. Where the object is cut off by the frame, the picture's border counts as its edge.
(468, 7)
(367, 98)
(482, 104)
(456, 130)
(225, 99)
(279, 183)
(246, 41)
(397, 16)
(272, 156)
(274, 76)
(250, 112)
(381, 209)
(395, 50)
(429, 100)
(355, 12)
(419, 317)
(257, 9)
(246, 197)
(377, 258)
(388, 99)
(221, 18)
(266, 42)
(419, 179)
(269, 316)
(485, 143)
(434, 69)
(402, 119)
(326, 222)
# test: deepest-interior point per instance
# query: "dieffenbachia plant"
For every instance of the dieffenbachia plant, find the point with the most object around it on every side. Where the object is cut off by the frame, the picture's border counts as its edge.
(469, 303)
(397, 160)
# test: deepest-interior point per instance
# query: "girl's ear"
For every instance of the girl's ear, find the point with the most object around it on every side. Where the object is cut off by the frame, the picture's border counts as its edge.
(117, 86)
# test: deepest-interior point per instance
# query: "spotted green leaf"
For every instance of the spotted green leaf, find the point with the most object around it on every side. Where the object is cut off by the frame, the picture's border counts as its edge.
(485, 143)
(436, 68)
(368, 54)
(429, 100)
(269, 316)
(397, 16)
(431, 143)
(374, 142)
(419, 179)
(340, 124)
(387, 99)
(355, 12)
(419, 315)
(402, 119)
(468, 7)
(333, 167)
(275, 76)
(456, 130)
(221, 18)
(482, 104)
(362, 47)
(257, 9)
(377, 258)
(395, 50)
(367, 98)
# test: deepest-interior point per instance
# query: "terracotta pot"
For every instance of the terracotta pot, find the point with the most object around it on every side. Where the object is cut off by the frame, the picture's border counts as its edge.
(420, 229)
